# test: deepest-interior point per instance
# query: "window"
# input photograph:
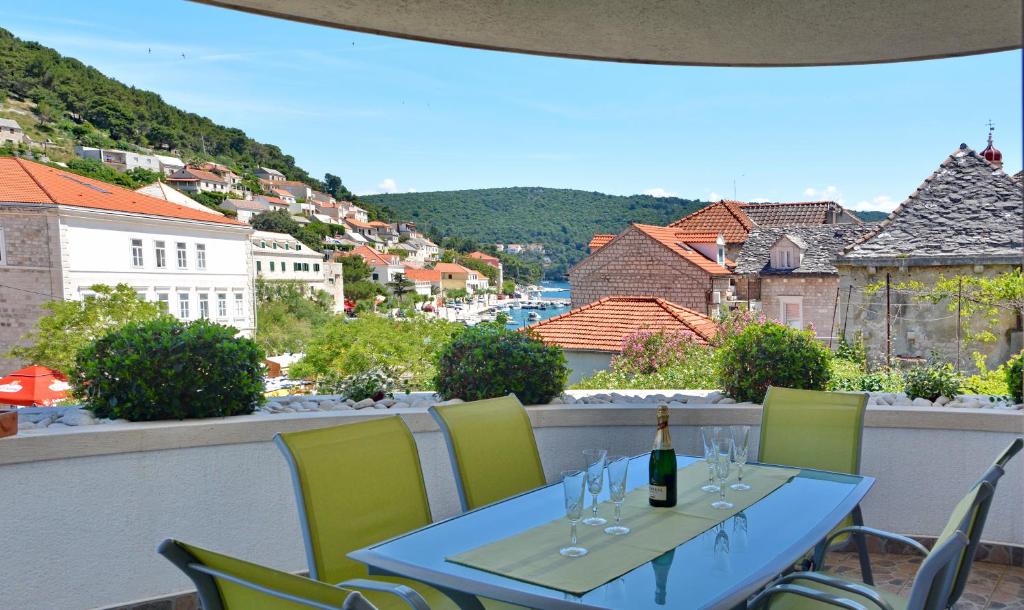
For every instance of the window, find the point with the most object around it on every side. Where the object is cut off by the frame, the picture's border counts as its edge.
(275, 245)
(222, 305)
(305, 266)
(136, 253)
(200, 256)
(204, 306)
(259, 267)
(298, 246)
(791, 311)
(271, 265)
(263, 244)
(375, 277)
(162, 300)
(287, 247)
(239, 306)
(183, 305)
(182, 255)
(296, 266)
(316, 266)
(160, 250)
(721, 255)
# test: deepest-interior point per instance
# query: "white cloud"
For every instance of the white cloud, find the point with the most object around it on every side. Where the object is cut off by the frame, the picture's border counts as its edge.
(713, 196)
(659, 192)
(387, 185)
(760, 200)
(883, 203)
(828, 193)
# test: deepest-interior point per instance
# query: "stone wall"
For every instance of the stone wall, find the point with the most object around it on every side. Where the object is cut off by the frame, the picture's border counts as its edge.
(31, 273)
(818, 294)
(918, 328)
(636, 265)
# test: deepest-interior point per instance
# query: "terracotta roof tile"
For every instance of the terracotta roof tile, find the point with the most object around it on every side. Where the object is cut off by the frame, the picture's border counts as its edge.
(422, 275)
(373, 257)
(451, 268)
(673, 239)
(725, 217)
(493, 261)
(792, 213)
(192, 173)
(599, 240)
(603, 325)
(24, 181)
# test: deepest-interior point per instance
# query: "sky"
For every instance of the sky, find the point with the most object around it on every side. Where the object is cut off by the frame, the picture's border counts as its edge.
(390, 115)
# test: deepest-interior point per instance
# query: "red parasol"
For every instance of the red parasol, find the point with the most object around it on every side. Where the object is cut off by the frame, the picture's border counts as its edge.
(33, 386)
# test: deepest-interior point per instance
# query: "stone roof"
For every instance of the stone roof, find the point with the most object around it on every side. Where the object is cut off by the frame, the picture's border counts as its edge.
(820, 246)
(602, 325)
(966, 212)
(1019, 177)
(10, 124)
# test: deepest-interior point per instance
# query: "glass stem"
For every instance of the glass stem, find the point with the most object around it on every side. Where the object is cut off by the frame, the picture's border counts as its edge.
(740, 474)
(618, 512)
(593, 510)
(721, 488)
(572, 534)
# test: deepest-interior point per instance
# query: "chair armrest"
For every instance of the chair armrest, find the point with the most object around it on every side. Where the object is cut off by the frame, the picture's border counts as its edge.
(827, 598)
(838, 583)
(408, 595)
(819, 555)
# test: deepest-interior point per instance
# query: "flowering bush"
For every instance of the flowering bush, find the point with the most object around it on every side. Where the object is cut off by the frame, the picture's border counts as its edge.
(734, 322)
(648, 351)
(376, 383)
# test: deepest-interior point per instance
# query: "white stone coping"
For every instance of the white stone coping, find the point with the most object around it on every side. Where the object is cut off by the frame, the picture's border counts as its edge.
(112, 438)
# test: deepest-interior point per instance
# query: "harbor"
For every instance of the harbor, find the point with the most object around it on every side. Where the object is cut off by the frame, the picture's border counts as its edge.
(531, 305)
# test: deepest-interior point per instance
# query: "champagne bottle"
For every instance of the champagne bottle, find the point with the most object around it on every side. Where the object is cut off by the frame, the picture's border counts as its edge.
(662, 564)
(662, 469)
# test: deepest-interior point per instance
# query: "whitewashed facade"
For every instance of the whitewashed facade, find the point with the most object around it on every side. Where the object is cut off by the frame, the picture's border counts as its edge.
(279, 257)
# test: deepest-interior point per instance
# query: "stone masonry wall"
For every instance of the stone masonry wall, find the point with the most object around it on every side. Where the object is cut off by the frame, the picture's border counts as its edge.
(818, 294)
(635, 265)
(918, 327)
(31, 275)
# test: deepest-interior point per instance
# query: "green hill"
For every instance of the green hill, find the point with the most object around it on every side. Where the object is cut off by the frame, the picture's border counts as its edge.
(61, 99)
(563, 220)
(872, 216)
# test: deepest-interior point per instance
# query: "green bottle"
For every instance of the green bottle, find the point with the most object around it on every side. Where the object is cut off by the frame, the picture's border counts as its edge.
(662, 470)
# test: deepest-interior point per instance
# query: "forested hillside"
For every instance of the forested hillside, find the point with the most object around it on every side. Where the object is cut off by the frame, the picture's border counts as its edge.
(563, 220)
(80, 102)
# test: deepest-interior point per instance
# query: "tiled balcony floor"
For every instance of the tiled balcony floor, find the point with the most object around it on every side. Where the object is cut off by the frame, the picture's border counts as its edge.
(991, 586)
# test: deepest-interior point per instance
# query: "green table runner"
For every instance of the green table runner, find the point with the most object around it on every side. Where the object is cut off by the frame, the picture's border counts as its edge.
(532, 556)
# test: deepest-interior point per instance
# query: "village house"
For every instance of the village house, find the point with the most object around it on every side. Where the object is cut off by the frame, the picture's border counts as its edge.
(10, 131)
(169, 164)
(192, 180)
(791, 275)
(384, 268)
(355, 212)
(492, 261)
(61, 234)
(964, 219)
(265, 173)
(426, 250)
(689, 269)
(161, 190)
(245, 208)
(233, 180)
(427, 281)
(457, 277)
(591, 335)
(279, 257)
(122, 160)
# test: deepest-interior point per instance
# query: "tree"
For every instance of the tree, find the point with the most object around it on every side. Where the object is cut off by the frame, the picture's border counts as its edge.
(286, 317)
(275, 221)
(334, 186)
(401, 286)
(354, 269)
(71, 325)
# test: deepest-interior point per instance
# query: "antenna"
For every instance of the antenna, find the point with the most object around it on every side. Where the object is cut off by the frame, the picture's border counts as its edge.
(991, 128)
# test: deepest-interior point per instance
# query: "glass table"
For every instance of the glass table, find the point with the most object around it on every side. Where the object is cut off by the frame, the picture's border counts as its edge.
(720, 568)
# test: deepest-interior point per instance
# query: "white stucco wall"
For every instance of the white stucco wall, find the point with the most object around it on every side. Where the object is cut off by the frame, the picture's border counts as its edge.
(90, 504)
(584, 364)
(96, 248)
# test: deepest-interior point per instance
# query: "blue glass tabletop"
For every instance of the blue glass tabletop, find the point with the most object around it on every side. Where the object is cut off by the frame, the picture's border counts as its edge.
(717, 569)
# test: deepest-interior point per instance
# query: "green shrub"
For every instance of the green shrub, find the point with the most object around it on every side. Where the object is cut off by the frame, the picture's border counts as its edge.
(890, 380)
(849, 376)
(932, 380)
(487, 361)
(1013, 377)
(374, 383)
(853, 351)
(771, 354)
(692, 367)
(166, 369)
(985, 381)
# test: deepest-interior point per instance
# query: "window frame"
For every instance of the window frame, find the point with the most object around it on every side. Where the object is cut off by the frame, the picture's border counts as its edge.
(160, 253)
(791, 300)
(239, 305)
(181, 254)
(184, 305)
(200, 257)
(222, 305)
(138, 260)
(204, 306)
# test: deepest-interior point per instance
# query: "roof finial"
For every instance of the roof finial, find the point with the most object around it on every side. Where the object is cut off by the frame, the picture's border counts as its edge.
(991, 128)
(991, 153)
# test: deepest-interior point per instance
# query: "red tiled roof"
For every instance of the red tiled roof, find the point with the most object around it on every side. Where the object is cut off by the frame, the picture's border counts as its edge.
(725, 217)
(697, 238)
(358, 223)
(599, 240)
(373, 257)
(422, 275)
(283, 193)
(273, 200)
(791, 213)
(289, 183)
(24, 181)
(379, 224)
(673, 239)
(602, 325)
(493, 261)
(451, 268)
(196, 174)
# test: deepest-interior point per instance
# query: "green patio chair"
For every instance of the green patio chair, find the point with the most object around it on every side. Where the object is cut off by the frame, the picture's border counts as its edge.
(930, 590)
(226, 583)
(357, 485)
(819, 431)
(492, 448)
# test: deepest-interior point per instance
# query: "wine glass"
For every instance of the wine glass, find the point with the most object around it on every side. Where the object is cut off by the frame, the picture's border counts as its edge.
(618, 467)
(709, 436)
(595, 461)
(740, 450)
(573, 484)
(722, 464)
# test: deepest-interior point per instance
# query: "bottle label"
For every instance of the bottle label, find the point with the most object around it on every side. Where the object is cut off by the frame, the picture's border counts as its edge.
(659, 492)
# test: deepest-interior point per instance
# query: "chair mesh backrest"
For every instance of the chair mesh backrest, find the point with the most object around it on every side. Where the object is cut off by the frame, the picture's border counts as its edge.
(358, 484)
(234, 596)
(937, 588)
(493, 450)
(809, 429)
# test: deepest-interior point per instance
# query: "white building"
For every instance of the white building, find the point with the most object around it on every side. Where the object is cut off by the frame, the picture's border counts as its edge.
(265, 173)
(163, 191)
(279, 257)
(192, 180)
(10, 131)
(124, 160)
(245, 208)
(61, 233)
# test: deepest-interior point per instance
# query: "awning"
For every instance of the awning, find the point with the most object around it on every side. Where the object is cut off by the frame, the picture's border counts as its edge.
(33, 386)
(684, 32)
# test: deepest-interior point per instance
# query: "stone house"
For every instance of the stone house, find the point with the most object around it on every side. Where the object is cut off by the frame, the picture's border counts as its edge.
(591, 335)
(964, 219)
(790, 274)
(10, 131)
(644, 260)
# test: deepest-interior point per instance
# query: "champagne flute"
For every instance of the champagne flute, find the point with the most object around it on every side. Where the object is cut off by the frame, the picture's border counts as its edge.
(722, 464)
(709, 436)
(618, 467)
(573, 484)
(595, 461)
(740, 450)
